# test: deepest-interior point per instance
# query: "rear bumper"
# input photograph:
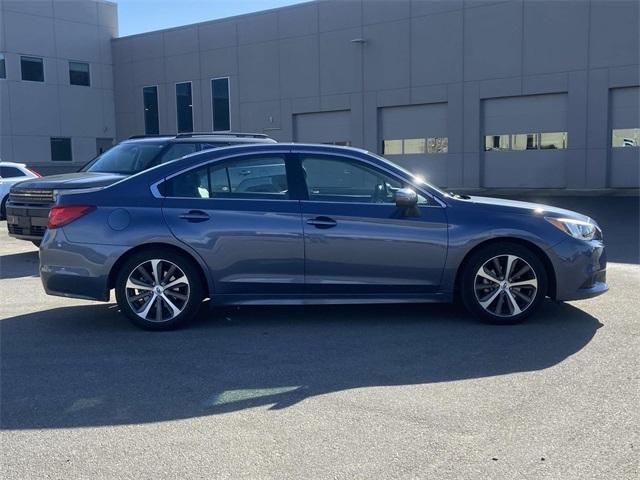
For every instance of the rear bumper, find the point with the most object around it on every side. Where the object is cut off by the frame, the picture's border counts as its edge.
(76, 270)
(581, 269)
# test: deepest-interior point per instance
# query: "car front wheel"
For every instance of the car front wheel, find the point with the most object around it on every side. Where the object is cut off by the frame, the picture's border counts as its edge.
(503, 283)
(159, 289)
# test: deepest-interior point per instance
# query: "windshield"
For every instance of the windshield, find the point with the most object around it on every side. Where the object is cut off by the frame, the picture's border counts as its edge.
(418, 179)
(126, 158)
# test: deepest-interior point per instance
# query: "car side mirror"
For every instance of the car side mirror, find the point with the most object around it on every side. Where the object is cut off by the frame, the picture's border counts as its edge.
(406, 198)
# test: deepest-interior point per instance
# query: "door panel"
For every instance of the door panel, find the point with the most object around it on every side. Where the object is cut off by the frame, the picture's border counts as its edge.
(371, 249)
(357, 241)
(238, 216)
(250, 246)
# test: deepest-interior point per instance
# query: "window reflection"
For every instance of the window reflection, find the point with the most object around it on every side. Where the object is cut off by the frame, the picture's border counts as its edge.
(496, 142)
(526, 141)
(553, 140)
(625, 137)
(415, 146)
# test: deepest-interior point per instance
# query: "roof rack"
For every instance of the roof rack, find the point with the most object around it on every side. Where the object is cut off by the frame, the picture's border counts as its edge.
(152, 135)
(222, 134)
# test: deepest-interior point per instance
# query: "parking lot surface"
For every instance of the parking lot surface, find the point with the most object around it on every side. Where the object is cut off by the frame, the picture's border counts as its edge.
(324, 392)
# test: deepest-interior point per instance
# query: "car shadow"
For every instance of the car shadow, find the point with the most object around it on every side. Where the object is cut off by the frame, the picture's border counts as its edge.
(85, 366)
(17, 265)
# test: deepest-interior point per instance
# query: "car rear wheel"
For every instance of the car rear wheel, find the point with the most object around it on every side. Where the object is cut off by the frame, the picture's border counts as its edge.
(503, 283)
(159, 289)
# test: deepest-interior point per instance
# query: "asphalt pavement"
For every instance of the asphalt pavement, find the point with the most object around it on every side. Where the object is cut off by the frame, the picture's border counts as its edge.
(419, 391)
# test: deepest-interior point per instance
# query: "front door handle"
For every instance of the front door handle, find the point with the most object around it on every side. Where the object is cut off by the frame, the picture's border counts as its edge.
(195, 216)
(322, 222)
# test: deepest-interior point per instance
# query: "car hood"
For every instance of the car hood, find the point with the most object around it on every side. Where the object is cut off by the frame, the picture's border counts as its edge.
(70, 181)
(524, 208)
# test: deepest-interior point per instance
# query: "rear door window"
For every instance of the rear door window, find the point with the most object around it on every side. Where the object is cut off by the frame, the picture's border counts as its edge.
(247, 177)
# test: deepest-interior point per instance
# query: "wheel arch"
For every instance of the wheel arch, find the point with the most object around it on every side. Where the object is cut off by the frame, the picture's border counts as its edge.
(535, 249)
(200, 268)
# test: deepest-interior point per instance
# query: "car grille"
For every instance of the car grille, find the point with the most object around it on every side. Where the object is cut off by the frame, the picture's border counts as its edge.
(31, 197)
(31, 231)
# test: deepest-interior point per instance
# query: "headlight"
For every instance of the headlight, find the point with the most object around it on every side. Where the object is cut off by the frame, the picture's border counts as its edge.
(576, 228)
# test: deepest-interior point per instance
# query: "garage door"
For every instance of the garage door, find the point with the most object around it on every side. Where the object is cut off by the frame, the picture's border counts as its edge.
(625, 137)
(525, 141)
(323, 127)
(415, 137)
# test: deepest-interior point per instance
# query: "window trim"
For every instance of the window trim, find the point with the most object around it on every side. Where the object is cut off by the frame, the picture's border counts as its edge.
(44, 73)
(213, 120)
(69, 62)
(157, 87)
(175, 91)
(297, 173)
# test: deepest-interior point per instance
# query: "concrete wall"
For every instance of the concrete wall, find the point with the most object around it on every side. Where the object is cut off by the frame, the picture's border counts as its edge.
(33, 112)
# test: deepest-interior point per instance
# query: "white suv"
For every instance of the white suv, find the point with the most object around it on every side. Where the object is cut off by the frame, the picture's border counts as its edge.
(10, 174)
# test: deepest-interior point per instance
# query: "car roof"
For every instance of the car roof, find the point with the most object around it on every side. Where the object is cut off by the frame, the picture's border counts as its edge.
(12, 164)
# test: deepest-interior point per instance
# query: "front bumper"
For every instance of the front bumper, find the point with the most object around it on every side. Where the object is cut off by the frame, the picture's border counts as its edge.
(27, 222)
(580, 268)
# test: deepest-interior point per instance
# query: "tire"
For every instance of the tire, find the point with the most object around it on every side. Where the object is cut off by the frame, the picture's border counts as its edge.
(496, 299)
(179, 295)
(3, 208)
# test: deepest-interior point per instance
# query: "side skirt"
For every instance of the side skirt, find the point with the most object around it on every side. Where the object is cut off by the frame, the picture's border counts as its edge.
(326, 299)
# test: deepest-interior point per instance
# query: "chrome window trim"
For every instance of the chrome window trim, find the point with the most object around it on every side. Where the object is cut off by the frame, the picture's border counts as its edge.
(156, 192)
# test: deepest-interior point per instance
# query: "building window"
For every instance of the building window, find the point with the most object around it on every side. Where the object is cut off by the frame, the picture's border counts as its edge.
(220, 104)
(625, 137)
(392, 147)
(415, 146)
(79, 74)
(151, 119)
(526, 141)
(61, 149)
(32, 69)
(3, 68)
(184, 107)
(496, 142)
(553, 141)
(437, 145)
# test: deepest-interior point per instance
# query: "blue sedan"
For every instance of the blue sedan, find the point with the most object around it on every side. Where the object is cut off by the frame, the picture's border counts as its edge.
(302, 224)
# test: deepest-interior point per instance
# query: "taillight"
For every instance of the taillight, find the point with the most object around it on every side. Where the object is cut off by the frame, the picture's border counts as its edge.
(65, 214)
(35, 172)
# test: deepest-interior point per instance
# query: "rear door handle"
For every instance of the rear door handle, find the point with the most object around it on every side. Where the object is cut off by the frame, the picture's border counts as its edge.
(195, 216)
(322, 222)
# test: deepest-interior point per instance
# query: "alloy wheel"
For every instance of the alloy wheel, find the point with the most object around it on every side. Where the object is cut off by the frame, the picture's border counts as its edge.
(506, 285)
(157, 290)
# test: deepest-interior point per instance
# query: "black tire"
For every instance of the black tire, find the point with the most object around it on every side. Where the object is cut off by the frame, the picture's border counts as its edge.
(501, 250)
(3, 208)
(194, 291)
